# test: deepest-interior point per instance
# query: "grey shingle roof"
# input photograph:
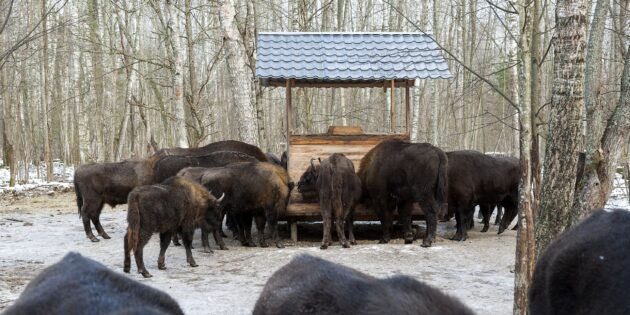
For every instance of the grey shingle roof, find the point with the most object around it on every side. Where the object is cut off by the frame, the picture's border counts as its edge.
(349, 56)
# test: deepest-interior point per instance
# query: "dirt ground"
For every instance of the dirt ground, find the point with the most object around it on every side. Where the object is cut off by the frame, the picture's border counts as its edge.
(36, 232)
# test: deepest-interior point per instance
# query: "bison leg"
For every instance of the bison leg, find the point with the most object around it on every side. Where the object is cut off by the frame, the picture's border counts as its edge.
(271, 215)
(327, 226)
(127, 262)
(176, 240)
(246, 224)
(218, 238)
(460, 219)
(508, 215)
(187, 239)
(404, 213)
(137, 253)
(205, 242)
(497, 220)
(340, 224)
(99, 228)
(430, 217)
(88, 228)
(260, 227)
(350, 227)
(486, 211)
(386, 224)
(165, 240)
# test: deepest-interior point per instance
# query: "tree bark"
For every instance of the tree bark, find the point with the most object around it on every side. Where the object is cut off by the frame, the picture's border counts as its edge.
(45, 107)
(524, 262)
(239, 78)
(177, 72)
(564, 127)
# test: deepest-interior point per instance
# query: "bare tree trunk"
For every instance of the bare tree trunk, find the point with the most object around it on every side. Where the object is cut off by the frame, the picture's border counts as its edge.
(564, 127)
(97, 64)
(239, 78)
(45, 70)
(512, 45)
(525, 250)
(177, 72)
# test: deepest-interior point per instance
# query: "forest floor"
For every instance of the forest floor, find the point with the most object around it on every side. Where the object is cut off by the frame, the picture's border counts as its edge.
(38, 231)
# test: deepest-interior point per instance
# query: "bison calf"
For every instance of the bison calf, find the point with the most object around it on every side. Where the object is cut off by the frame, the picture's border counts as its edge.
(178, 205)
(338, 189)
(586, 269)
(310, 285)
(79, 285)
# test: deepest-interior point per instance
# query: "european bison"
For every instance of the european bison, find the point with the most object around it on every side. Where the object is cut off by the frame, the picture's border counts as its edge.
(258, 190)
(177, 205)
(168, 166)
(338, 189)
(97, 184)
(272, 158)
(311, 285)
(396, 174)
(226, 145)
(476, 178)
(585, 270)
(79, 285)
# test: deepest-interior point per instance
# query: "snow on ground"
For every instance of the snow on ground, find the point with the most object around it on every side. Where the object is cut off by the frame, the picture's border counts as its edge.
(36, 232)
(36, 183)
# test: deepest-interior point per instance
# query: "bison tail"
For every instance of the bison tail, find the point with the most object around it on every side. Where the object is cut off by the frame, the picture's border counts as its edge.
(77, 191)
(441, 187)
(133, 221)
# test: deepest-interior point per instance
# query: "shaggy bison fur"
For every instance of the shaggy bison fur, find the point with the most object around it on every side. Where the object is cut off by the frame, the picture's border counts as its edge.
(395, 174)
(338, 189)
(310, 285)
(177, 205)
(586, 269)
(78, 285)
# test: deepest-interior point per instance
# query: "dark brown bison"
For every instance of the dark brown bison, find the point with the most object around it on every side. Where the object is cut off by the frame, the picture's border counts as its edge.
(338, 189)
(177, 205)
(97, 184)
(585, 270)
(476, 178)
(78, 285)
(227, 145)
(252, 190)
(311, 285)
(168, 166)
(395, 174)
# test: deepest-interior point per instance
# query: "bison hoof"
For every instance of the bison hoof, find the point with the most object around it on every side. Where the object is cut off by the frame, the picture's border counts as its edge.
(126, 269)
(324, 246)
(263, 244)
(208, 250)
(425, 244)
(484, 230)
(162, 267)
(501, 229)
(223, 247)
(383, 241)
(93, 238)
(345, 245)
(408, 241)
(193, 264)
(515, 228)
(279, 245)
(104, 235)
(177, 244)
(353, 242)
(146, 274)
(458, 238)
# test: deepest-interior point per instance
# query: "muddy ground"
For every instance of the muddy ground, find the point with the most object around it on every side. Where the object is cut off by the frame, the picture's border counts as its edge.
(36, 232)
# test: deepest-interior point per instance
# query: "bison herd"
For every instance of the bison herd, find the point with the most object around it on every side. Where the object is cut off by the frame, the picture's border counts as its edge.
(176, 191)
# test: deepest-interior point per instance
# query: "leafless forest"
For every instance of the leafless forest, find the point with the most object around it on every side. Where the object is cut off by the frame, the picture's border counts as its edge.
(105, 80)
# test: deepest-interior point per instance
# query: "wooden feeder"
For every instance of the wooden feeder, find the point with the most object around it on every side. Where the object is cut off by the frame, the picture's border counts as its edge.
(342, 60)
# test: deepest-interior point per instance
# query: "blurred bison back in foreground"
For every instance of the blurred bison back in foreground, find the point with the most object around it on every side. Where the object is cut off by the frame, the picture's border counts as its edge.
(586, 270)
(79, 285)
(311, 285)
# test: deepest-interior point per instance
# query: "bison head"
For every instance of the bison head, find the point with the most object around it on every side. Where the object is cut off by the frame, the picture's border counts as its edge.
(307, 185)
(214, 213)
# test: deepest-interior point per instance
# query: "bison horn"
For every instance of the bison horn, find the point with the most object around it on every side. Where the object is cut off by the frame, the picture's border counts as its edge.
(313, 165)
(220, 199)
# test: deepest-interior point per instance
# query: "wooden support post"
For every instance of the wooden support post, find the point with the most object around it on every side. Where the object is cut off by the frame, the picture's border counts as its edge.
(293, 225)
(392, 120)
(407, 117)
(289, 109)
